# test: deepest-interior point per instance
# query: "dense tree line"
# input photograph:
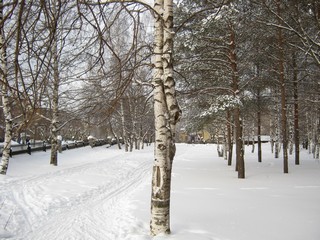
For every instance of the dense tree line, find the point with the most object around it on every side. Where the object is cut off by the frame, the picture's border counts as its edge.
(238, 61)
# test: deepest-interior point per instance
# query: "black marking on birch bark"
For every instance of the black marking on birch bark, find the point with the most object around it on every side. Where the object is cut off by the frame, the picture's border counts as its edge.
(162, 147)
(160, 203)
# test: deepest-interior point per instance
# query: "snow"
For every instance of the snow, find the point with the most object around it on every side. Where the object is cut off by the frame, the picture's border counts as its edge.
(104, 193)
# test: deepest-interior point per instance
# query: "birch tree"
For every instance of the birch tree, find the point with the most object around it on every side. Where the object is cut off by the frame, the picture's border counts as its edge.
(53, 19)
(65, 49)
(8, 79)
(5, 96)
(24, 85)
(166, 111)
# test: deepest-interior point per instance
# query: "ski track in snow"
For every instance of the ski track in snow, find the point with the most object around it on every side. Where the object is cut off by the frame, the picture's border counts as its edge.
(41, 214)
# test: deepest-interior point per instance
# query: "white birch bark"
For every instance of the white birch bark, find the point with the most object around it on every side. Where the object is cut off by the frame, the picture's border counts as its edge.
(5, 99)
(169, 83)
(167, 114)
(160, 204)
(123, 125)
(225, 147)
(55, 92)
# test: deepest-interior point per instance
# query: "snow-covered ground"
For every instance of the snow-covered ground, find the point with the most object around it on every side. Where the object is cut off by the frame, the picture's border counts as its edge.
(104, 193)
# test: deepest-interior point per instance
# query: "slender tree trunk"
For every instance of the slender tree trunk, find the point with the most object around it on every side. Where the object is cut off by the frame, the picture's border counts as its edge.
(239, 145)
(259, 127)
(290, 133)
(123, 125)
(55, 92)
(5, 99)
(296, 112)
(131, 142)
(253, 139)
(229, 138)
(276, 129)
(240, 167)
(283, 95)
(259, 137)
(55, 116)
(225, 147)
(135, 134)
(114, 135)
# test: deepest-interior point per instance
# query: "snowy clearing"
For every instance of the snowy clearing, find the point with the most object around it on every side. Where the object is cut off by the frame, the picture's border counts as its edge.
(104, 193)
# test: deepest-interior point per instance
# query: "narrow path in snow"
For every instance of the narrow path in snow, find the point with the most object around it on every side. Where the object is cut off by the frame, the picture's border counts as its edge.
(87, 201)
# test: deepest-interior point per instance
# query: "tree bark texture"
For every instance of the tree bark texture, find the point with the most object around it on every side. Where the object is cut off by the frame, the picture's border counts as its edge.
(259, 126)
(240, 167)
(283, 95)
(167, 114)
(123, 125)
(55, 92)
(5, 99)
(296, 112)
(229, 138)
(276, 130)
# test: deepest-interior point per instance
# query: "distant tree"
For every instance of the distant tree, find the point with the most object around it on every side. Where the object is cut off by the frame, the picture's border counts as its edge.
(294, 27)
(54, 18)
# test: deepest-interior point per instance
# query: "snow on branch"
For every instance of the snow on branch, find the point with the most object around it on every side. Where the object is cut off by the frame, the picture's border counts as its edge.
(222, 103)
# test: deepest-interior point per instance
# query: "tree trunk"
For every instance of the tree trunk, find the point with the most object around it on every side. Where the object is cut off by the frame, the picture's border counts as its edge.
(283, 95)
(55, 92)
(160, 195)
(240, 167)
(55, 116)
(276, 131)
(229, 137)
(259, 137)
(167, 114)
(259, 127)
(5, 99)
(296, 112)
(114, 135)
(253, 139)
(8, 120)
(225, 147)
(239, 145)
(123, 125)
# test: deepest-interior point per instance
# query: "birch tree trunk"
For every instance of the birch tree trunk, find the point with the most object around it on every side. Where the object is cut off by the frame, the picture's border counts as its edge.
(167, 114)
(123, 125)
(160, 197)
(275, 127)
(55, 92)
(169, 83)
(5, 99)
